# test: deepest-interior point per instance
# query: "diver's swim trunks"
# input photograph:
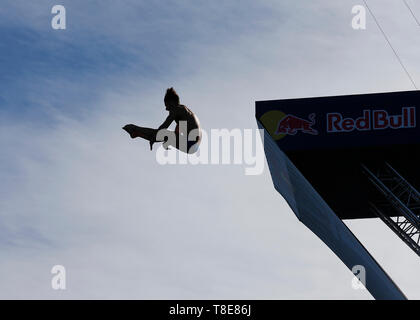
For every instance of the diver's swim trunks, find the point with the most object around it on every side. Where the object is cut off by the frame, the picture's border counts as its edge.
(192, 146)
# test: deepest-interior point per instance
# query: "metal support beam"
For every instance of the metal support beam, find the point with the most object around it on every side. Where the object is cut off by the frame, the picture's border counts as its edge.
(401, 210)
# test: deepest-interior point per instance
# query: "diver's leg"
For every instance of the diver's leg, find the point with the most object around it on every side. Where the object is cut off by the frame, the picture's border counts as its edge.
(168, 137)
(141, 132)
(182, 144)
(177, 141)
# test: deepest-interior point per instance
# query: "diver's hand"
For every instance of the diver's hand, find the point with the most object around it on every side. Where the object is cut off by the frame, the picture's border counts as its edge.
(165, 145)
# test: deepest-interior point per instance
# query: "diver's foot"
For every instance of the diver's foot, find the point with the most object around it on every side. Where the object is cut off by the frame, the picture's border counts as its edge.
(131, 129)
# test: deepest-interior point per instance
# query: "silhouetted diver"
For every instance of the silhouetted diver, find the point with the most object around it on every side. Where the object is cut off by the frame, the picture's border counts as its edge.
(187, 127)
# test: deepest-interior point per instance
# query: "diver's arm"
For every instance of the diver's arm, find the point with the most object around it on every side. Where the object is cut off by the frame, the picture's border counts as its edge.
(164, 125)
(167, 122)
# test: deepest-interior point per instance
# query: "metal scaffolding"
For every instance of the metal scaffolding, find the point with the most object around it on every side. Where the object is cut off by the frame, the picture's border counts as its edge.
(400, 209)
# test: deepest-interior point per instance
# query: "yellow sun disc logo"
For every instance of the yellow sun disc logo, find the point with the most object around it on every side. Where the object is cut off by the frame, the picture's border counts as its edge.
(270, 121)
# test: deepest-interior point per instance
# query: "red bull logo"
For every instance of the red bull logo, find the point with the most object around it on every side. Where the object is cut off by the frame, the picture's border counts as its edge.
(291, 124)
(279, 124)
(372, 120)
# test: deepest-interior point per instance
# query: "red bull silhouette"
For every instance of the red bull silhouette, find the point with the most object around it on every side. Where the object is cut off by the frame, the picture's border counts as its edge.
(291, 124)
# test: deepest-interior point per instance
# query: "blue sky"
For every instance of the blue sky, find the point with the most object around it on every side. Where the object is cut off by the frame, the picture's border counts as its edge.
(76, 191)
(106, 40)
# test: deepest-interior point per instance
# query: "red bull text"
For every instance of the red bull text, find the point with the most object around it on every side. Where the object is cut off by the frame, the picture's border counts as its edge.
(372, 120)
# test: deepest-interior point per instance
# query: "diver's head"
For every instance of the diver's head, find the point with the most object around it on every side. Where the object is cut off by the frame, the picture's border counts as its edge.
(171, 99)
